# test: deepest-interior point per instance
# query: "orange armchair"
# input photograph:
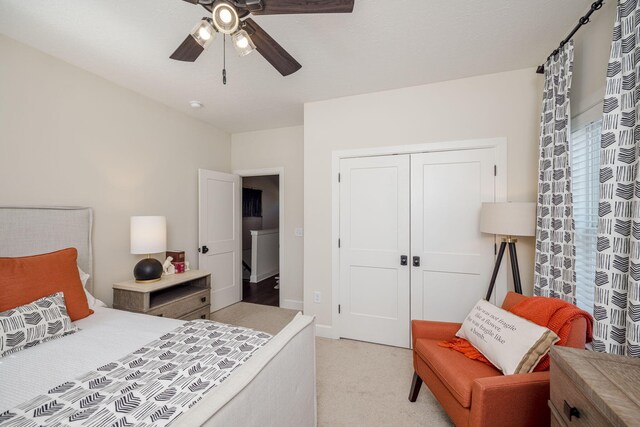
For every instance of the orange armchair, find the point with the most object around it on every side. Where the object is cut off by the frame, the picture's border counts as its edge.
(475, 394)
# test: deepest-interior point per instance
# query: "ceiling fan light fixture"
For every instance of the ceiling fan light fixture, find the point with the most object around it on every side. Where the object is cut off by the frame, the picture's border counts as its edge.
(204, 32)
(243, 43)
(225, 17)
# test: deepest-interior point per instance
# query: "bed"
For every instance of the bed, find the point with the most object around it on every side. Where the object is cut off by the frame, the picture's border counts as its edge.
(275, 386)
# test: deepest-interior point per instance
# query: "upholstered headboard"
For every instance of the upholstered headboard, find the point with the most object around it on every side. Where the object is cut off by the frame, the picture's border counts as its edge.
(36, 230)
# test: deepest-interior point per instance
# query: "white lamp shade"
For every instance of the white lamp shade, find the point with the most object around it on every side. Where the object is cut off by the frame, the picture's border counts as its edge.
(508, 218)
(148, 234)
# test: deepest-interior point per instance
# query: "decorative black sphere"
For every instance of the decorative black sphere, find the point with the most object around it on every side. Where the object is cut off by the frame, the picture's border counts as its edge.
(147, 270)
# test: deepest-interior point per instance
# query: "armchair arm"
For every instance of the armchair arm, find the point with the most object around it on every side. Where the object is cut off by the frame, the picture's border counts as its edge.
(433, 330)
(509, 400)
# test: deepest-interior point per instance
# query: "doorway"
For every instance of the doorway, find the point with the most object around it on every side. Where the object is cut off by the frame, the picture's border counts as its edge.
(261, 224)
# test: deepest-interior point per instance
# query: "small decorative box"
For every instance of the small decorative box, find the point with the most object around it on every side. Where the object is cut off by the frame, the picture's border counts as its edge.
(180, 267)
(178, 256)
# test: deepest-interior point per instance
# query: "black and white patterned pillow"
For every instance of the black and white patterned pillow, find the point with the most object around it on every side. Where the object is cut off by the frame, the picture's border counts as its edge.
(31, 324)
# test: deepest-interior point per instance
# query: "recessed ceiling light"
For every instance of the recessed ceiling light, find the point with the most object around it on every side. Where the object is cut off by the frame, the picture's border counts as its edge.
(195, 104)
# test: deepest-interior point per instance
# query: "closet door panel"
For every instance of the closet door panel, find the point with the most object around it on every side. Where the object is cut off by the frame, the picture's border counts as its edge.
(447, 190)
(374, 233)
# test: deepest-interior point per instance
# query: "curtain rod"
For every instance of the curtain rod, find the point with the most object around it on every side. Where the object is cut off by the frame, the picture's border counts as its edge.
(583, 21)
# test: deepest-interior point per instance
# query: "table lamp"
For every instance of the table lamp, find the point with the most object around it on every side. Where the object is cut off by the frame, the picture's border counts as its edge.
(508, 219)
(148, 236)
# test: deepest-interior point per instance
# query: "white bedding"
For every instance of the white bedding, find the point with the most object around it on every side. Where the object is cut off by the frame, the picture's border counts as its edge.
(104, 337)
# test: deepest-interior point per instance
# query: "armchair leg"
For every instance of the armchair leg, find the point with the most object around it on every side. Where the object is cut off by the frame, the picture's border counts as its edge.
(416, 383)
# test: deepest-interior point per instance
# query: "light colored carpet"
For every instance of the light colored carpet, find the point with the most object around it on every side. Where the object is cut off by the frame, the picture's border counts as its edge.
(363, 384)
(358, 383)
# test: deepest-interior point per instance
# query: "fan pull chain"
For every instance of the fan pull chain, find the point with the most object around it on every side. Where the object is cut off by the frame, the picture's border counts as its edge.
(224, 59)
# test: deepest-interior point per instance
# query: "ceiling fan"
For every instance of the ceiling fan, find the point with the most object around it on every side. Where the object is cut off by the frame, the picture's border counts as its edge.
(230, 17)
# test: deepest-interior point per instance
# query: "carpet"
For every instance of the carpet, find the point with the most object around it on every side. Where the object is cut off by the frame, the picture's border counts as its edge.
(358, 383)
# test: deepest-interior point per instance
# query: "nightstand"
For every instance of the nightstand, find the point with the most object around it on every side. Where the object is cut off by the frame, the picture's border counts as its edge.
(593, 389)
(185, 296)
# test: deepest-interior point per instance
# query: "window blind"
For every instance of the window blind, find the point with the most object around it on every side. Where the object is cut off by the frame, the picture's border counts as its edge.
(585, 169)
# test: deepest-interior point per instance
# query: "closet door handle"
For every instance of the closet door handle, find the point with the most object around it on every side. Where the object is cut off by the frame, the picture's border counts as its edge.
(403, 259)
(416, 261)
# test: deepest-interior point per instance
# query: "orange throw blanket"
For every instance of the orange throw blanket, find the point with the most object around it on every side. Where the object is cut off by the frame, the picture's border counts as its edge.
(552, 313)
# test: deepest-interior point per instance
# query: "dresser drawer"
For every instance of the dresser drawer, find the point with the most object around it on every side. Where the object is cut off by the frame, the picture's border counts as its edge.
(555, 419)
(183, 306)
(203, 313)
(565, 395)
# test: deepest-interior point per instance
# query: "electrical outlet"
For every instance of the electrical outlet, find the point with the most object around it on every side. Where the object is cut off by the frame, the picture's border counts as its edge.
(298, 232)
(317, 297)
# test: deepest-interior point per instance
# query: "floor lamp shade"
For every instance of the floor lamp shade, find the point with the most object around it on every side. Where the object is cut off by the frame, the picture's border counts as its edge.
(508, 218)
(148, 236)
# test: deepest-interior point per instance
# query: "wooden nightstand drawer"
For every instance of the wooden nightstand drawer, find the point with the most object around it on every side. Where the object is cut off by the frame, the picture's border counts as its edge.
(566, 398)
(203, 313)
(177, 296)
(594, 389)
(180, 306)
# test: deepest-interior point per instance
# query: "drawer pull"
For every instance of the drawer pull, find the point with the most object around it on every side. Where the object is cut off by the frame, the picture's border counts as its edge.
(571, 411)
(204, 316)
(203, 299)
(160, 315)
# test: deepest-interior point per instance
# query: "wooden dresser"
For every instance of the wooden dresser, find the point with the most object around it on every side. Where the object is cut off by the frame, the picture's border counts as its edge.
(185, 296)
(593, 389)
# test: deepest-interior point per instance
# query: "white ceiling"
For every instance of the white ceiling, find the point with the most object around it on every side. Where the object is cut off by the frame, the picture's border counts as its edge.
(384, 44)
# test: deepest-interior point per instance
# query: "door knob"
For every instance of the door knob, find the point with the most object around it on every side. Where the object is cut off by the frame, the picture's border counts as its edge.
(204, 250)
(416, 261)
(403, 259)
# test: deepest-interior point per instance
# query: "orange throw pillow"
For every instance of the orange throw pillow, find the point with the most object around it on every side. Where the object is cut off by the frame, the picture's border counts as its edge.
(27, 279)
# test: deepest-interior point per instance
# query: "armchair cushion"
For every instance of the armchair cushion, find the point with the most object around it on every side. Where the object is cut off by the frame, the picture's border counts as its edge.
(453, 369)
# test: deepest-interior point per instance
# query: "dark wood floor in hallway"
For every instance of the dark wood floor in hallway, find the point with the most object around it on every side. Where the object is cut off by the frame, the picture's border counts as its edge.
(261, 292)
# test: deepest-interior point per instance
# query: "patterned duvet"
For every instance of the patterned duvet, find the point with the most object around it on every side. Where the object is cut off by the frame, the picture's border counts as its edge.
(149, 387)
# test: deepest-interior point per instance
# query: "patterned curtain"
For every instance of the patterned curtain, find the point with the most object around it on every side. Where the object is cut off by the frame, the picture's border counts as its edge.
(555, 274)
(617, 294)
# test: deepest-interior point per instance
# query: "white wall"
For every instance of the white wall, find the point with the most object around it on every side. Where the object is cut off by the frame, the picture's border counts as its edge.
(280, 148)
(69, 137)
(591, 57)
(265, 254)
(498, 105)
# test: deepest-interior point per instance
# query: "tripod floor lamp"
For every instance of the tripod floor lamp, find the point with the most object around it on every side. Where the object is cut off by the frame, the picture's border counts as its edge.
(511, 220)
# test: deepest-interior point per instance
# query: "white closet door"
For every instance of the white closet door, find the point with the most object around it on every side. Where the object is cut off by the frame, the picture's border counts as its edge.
(374, 234)
(219, 235)
(456, 260)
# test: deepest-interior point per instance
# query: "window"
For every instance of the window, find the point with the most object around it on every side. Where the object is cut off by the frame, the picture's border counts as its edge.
(251, 203)
(585, 169)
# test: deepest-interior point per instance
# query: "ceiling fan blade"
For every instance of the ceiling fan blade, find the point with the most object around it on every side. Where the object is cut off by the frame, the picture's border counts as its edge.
(188, 51)
(270, 49)
(280, 7)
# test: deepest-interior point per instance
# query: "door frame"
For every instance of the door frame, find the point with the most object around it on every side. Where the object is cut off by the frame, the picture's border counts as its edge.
(499, 144)
(279, 171)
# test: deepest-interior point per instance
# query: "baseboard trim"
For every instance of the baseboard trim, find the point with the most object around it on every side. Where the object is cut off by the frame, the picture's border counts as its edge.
(326, 331)
(262, 276)
(292, 304)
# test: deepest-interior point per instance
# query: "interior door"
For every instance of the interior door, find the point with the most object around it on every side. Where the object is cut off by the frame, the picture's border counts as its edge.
(374, 234)
(455, 259)
(219, 235)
